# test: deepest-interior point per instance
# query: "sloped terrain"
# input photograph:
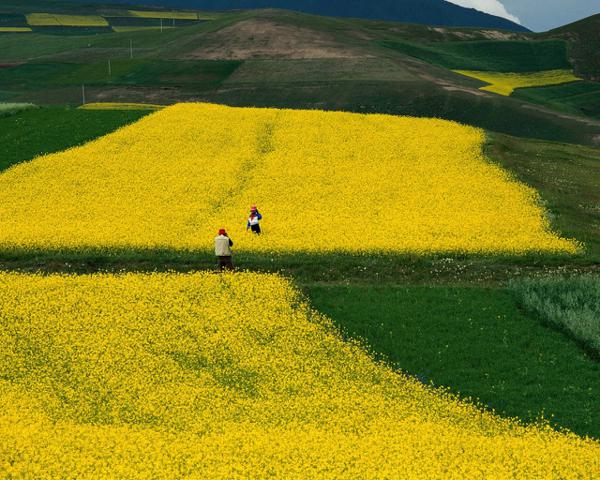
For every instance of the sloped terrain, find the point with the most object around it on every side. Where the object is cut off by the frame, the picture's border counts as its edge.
(584, 42)
(429, 12)
(268, 38)
(275, 58)
(170, 375)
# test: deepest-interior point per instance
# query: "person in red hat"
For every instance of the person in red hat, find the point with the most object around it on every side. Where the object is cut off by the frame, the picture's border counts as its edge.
(223, 251)
(254, 220)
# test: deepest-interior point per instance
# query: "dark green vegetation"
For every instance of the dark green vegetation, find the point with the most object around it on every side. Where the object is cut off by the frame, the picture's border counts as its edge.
(25, 135)
(491, 56)
(283, 59)
(572, 305)
(584, 43)
(200, 74)
(578, 98)
(476, 342)
(11, 108)
(13, 20)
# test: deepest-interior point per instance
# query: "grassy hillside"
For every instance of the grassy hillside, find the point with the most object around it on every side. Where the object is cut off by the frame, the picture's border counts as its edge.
(584, 44)
(297, 61)
(580, 98)
(490, 55)
(429, 12)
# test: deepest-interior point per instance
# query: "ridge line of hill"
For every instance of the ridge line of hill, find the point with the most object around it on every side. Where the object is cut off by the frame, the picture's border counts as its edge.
(427, 12)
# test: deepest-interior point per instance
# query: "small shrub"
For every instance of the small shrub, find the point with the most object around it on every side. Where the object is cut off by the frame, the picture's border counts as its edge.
(571, 304)
(8, 108)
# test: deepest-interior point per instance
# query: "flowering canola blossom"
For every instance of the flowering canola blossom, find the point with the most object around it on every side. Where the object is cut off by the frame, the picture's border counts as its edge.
(167, 15)
(506, 83)
(187, 375)
(55, 20)
(15, 29)
(324, 181)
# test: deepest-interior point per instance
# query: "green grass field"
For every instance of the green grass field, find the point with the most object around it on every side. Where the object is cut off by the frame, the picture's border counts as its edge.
(12, 20)
(30, 133)
(475, 341)
(168, 67)
(580, 98)
(570, 304)
(203, 74)
(62, 18)
(492, 56)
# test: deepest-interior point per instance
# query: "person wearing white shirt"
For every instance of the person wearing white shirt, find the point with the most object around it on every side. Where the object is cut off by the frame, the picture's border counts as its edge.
(223, 251)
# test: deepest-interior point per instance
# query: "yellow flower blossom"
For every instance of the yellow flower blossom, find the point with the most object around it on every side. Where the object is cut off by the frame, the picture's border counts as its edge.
(506, 83)
(230, 376)
(56, 20)
(324, 181)
(15, 29)
(177, 15)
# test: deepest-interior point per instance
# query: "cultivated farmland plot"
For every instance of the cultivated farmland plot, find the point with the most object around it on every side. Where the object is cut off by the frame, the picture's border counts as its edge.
(50, 20)
(506, 83)
(186, 379)
(422, 301)
(328, 182)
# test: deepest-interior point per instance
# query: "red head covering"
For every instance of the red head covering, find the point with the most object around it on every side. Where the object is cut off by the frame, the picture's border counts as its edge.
(253, 208)
(222, 231)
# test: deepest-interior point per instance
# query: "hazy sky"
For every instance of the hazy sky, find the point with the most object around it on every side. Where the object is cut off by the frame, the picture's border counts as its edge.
(539, 15)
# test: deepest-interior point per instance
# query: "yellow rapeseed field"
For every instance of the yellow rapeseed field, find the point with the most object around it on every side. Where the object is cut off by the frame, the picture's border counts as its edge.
(15, 29)
(164, 14)
(229, 376)
(506, 83)
(324, 181)
(56, 20)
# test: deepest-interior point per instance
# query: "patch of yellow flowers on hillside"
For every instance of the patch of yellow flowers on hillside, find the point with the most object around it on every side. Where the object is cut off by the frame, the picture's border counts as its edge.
(506, 83)
(56, 20)
(324, 181)
(175, 15)
(229, 376)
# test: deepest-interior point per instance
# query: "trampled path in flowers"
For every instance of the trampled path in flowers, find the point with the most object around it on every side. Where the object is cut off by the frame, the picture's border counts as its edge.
(325, 182)
(188, 376)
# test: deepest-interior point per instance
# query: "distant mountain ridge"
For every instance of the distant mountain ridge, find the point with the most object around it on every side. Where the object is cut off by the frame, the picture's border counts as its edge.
(428, 12)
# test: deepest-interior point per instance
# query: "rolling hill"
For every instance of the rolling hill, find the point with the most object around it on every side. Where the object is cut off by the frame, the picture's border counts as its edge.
(584, 41)
(429, 12)
(280, 58)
